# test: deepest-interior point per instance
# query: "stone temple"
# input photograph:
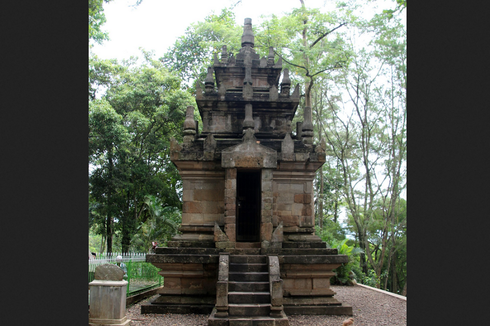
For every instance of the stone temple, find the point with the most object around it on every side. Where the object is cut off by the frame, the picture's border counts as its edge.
(247, 253)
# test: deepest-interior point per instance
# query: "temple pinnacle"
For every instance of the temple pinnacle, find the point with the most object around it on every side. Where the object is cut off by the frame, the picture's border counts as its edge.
(248, 36)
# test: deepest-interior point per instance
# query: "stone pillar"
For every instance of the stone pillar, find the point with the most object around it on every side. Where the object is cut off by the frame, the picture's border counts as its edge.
(266, 209)
(108, 297)
(230, 204)
(248, 122)
(308, 205)
(222, 286)
(275, 287)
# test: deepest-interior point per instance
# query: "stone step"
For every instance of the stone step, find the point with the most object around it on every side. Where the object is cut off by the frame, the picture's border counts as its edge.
(281, 320)
(244, 251)
(318, 310)
(248, 277)
(249, 297)
(257, 321)
(250, 267)
(186, 251)
(258, 309)
(248, 286)
(291, 244)
(309, 251)
(247, 245)
(191, 243)
(241, 259)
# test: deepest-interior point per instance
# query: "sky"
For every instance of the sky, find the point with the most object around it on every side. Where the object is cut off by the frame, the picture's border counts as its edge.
(156, 24)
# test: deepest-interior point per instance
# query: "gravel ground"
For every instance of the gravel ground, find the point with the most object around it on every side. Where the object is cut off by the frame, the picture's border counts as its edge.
(371, 308)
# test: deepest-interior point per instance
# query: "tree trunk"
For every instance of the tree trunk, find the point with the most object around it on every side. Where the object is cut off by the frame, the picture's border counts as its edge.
(109, 204)
(404, 292)
(109, 233)
(390, 253)
(320, 197)
(102, 244)
(394, 281)
(362, 260)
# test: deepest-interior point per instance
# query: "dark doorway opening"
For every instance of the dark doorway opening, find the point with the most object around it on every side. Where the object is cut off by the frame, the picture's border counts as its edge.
(248, 206)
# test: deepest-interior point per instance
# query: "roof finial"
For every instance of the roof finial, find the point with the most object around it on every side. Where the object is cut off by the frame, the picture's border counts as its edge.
(248, 36)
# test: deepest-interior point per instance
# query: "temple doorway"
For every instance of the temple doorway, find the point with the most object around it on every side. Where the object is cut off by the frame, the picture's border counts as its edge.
(248, 205)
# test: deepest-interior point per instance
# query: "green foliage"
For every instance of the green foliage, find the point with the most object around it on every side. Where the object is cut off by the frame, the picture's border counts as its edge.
(100, 74)
(400, 5)
(192, 53)
(96, 19)
(143, 271)
(343, 272)
(371, 279)
(161, 226)
(332, 232)
(307, 40)
(130, 129)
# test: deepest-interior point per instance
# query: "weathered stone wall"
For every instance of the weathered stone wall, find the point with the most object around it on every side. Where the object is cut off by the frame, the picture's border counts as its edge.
(293, 199)
(307, 279)
(203, 198)
(188, 279)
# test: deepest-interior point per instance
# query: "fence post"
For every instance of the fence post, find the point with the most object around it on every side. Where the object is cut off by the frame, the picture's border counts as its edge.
(129, 274)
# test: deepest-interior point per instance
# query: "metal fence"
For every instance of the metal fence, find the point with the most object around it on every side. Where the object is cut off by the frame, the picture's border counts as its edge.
(141, 276)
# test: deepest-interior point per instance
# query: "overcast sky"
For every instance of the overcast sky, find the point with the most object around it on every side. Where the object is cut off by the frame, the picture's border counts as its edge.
(156, 24)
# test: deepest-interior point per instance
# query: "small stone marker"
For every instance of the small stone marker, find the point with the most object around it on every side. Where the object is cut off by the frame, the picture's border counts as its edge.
(108, 297)
(108, 272)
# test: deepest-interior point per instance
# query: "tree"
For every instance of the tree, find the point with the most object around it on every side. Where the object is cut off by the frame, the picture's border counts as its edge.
(192, 53)
(96, 18)
(300, 39)
(368, 136)
(161, 225)
(130, 131)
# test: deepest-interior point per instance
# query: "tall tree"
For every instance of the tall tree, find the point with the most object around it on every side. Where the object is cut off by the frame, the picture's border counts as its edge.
(369, 136)
(147, 107)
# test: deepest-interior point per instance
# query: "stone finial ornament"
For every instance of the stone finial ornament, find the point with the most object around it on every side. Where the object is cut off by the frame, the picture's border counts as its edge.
(209, 82)
(189, 125)
(307, 133)
(286, 83)
(224, 55)
(248, 36)
(270, 58)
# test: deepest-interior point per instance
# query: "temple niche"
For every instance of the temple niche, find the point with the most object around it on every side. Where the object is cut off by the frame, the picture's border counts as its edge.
(247, 248)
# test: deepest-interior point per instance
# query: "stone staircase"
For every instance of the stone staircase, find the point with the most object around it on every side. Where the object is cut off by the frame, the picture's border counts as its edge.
(248, 296)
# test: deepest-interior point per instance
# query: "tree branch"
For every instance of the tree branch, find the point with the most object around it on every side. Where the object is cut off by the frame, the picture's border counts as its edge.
(321, 37)
(292, 64)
